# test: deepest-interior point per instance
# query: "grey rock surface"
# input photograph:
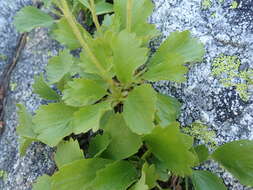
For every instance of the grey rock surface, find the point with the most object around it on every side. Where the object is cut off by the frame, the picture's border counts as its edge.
(204, 98)
(21, 172)
(223, 30)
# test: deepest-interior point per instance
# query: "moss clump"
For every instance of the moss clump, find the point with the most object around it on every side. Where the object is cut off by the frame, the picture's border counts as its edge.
(201, 132)
(226, 69)
(234, 5)
(206, 4)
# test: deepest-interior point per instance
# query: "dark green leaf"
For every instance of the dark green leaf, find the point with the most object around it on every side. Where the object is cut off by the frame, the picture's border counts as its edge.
(124, 142)
(202, 153)
(53, 122)
(204, 180)
(126, 60)
(98, 144)
(59, 65)
(237, 158)
(169, 146)
(116, 176)
(88, 117)
(81, 92)
(168, 109)
(78, 175)
(41, 88)
(139, 109)
(30, 17)
(43, 183)
(67, 152)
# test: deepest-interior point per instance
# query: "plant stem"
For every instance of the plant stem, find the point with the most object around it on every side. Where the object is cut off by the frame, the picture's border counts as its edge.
(94, 15)
(73, 24)
(129, 14)
(186, 184)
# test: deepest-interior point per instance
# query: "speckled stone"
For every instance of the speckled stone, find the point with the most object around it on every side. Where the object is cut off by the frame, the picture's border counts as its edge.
(229, 32)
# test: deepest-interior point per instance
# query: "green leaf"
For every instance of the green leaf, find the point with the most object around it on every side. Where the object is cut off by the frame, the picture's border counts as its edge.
(81, 92)
(78, 175)
(101, 47)
(59, 65)
(98, 144)
(141, 184)
(24, 144)
(41, 88)
(140, 12)
(116, 176)
(88, 117)
(103, 8)
(67, 152)
(171, 68)
(43, 183)
(139, 109)
(64, 34)
(202, 153)
(168, 109)
(25, 127)
(169, 146)
(204, 180)
(53, 122)
(124, 142)
(179, 44)
(237, 158)
(126, 60)
(151, 175)
(161, 169)
(30, 17)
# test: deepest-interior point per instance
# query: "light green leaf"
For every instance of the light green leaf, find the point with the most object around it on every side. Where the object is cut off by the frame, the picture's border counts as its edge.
(98, 144)
(171, 68)
(124, 142)
(43, 183)
(169, 146)
(78, 175)
(237, 158)
(24, 144)
(64, 34)
(53, 122)
(30, 17)
(101, 47)
(204, 180)
(168, 109)
(41, 88)
(139, 109)
(59, 65)
(25, 127)
(179, 44)
(81, 92)
(103, 8)
(67, 152)
(140, 12)
(116, 176)
(126, 60)
(151, 175)
(88, 117)
(202, 153)
(141, 184)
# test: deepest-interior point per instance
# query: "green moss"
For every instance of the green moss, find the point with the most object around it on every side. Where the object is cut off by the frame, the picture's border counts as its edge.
(3, 174)
(206, 4)
(201, 132)
(3, 57)
(226, 69)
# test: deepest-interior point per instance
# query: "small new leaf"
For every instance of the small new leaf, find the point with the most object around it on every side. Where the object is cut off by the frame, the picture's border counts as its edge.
(30, 17)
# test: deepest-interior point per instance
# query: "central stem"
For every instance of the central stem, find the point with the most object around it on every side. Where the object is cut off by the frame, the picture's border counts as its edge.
(129, 14)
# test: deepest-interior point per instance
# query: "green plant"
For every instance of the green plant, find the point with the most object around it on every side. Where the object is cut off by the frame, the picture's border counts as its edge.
(137, 143)
(226, 68)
